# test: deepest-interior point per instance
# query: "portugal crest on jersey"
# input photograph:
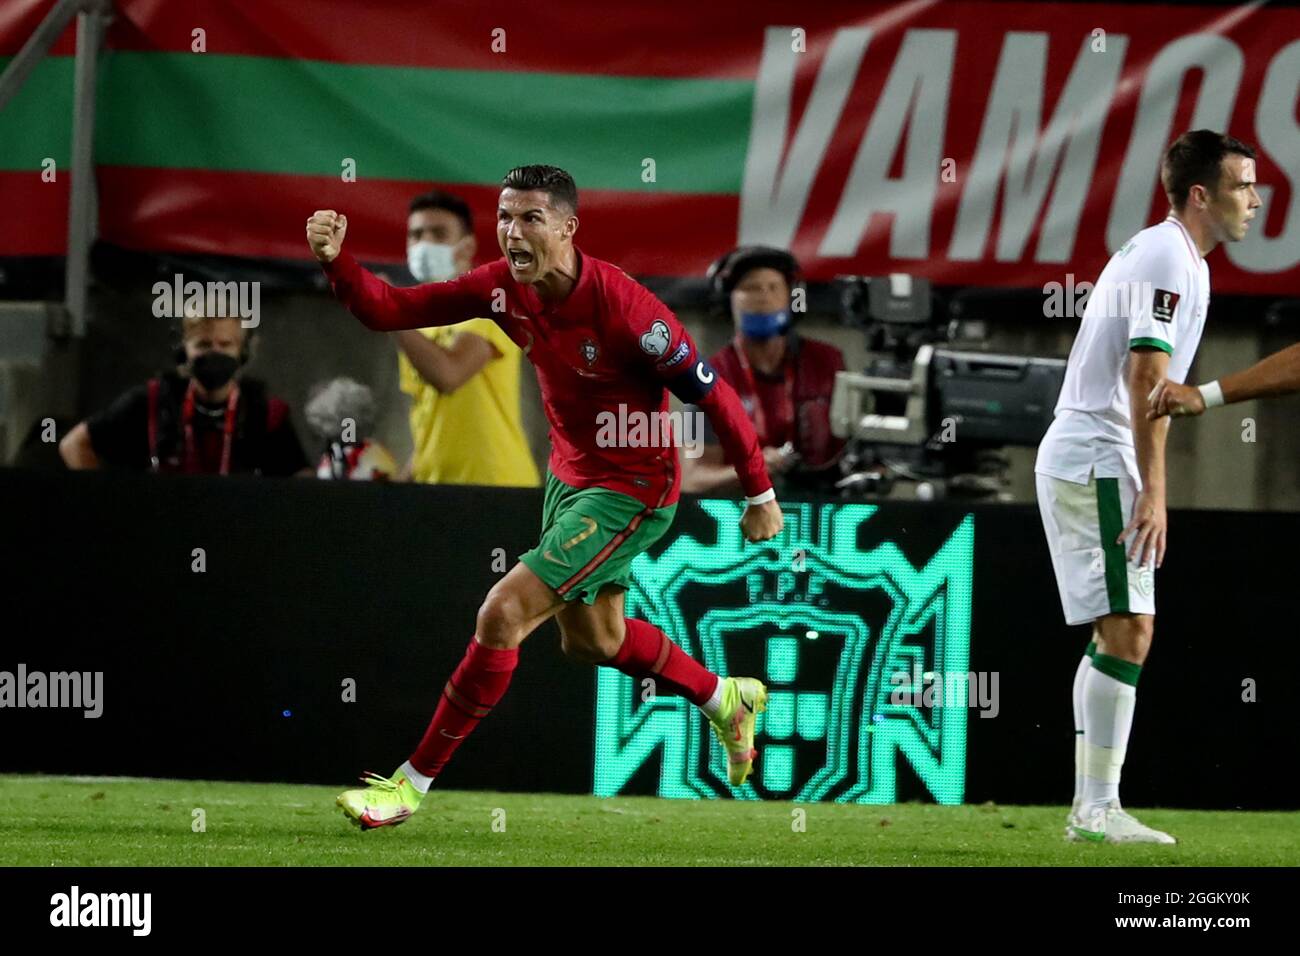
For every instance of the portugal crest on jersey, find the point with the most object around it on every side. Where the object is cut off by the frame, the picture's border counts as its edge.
(590, 352)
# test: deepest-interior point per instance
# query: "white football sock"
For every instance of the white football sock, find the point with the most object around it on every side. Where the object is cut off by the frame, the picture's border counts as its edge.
(418, 780)
(1080, 673)
(1107, 716)
(710, 706)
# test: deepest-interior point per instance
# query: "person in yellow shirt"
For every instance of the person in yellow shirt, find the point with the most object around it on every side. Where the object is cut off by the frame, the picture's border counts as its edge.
(463, 379)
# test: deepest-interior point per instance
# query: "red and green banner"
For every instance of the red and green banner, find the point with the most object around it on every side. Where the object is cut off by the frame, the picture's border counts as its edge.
(973, 143)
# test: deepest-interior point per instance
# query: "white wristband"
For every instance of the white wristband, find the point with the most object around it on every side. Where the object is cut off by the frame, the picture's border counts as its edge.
(1212, 394)
(763, 498)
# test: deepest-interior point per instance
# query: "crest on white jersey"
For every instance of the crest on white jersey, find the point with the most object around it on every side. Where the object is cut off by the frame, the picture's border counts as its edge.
(1164, 305)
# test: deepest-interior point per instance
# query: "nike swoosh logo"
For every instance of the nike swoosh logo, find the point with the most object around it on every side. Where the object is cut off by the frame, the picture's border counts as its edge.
(370, 819)
(554, 560)
(450, 736)
(581, 536)
(747, 705)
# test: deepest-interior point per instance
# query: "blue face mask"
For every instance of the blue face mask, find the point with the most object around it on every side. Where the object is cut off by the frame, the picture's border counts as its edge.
(764, 325)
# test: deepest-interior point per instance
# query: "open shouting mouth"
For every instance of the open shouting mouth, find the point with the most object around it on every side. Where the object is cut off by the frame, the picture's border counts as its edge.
(520, 258)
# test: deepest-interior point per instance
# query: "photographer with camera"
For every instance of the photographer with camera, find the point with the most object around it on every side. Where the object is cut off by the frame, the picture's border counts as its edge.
(784, 380)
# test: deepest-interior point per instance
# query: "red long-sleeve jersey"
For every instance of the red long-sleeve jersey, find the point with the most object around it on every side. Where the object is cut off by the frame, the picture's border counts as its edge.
(606, 357)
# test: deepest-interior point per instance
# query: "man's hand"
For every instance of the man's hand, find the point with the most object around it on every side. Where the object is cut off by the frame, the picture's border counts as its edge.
(1170, 398)
(1149, 528)
(325, 231)
(77, 450)
(762, 522)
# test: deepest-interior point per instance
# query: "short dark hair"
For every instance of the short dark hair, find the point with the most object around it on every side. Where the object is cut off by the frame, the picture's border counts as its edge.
(437, 199)
(1195, 158)
(553, 180)
(728, 270)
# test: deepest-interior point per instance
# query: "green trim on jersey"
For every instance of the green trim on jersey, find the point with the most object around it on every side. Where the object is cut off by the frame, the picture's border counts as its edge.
(1160, 344)
(1110, 519)
(590, 537)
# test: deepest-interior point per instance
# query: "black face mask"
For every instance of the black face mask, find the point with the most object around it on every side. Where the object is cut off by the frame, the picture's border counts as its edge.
(214, 369)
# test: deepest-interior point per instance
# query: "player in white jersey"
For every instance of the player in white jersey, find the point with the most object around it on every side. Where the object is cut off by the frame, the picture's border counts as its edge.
(1101, 465)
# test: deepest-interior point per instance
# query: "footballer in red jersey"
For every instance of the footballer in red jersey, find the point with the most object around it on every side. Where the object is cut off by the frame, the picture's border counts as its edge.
(605, 349)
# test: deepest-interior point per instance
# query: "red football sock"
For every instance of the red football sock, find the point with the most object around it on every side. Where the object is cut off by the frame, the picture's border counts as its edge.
(648, 652)
(479, 682)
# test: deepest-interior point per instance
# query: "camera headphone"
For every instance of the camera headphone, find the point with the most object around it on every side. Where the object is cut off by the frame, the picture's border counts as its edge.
(178, 344)
(728, 269)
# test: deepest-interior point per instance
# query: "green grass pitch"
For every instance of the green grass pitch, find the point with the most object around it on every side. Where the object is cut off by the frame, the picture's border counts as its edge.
(76, 821)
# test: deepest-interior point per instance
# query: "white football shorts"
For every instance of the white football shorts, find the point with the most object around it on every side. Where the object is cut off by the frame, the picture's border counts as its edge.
(1093, 573)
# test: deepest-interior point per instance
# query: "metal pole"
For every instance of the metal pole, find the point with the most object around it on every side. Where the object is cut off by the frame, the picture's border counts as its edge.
(82, 207)
(37, 45)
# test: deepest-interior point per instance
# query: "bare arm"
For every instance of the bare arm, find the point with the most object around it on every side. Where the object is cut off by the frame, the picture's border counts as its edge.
(1278, 374)
(76, 450)
(447, 369)
(1148, 526)
(708, 473)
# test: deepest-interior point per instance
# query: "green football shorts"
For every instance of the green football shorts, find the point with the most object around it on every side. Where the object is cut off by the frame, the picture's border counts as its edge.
(590, 537)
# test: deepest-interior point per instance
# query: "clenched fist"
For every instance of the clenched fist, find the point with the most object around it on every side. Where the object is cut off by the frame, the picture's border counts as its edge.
(325, 231)
(1170, 398)
(762, 522)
